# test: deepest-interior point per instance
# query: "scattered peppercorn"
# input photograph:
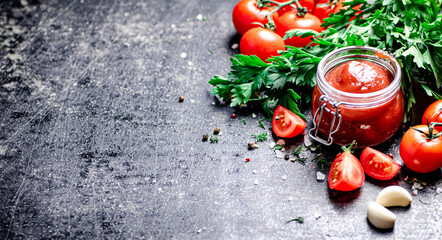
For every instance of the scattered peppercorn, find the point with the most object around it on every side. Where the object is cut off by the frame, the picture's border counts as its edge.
(280, 142)
(216, 130)
(205, 137)
(286, 156)
(233, 115)
(181, 99)
(293, 159)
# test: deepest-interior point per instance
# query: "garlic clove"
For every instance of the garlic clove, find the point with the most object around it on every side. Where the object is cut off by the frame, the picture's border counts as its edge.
(394, 196)
(379, 216)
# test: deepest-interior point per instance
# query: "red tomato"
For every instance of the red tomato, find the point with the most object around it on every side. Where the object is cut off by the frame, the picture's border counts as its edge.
(419, 153)
(324, 8)
(309, 4)
(261, 42)
(378, 165)
(346, 173)
(434, 114)
(290, 20)
(247, 12)
(287, 124)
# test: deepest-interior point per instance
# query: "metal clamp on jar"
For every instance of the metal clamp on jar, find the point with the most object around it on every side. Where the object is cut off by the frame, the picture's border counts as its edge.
(354, 111)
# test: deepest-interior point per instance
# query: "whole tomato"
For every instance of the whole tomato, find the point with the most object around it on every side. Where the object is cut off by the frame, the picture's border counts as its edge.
(290, 20)
(309, 4)
(434, 114)
(420, 150)
(246, 12)
(324, 8)
(261, 42)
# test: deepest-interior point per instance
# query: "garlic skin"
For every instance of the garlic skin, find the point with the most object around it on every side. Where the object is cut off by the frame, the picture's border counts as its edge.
(380, 216)
(394, 196)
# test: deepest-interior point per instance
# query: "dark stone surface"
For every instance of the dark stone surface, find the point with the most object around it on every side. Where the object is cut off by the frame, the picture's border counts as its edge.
(94, 143)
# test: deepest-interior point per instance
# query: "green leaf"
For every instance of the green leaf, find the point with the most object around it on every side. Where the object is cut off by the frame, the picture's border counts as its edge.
(431, 92)
(303, 33)
(289, 100)
(418, 58)
(241, 94)
(387, 2)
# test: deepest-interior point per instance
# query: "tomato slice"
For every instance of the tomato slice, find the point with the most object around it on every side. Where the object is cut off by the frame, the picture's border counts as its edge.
(378, 165)
(346, 173)
(287, 124)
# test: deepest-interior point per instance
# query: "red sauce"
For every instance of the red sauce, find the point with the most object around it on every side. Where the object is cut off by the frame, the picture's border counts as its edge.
(359, 77)
(368, 125)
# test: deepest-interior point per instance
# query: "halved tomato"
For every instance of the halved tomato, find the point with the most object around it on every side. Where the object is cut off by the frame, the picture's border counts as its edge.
(287, 124)
(378, 165)
(346, 173)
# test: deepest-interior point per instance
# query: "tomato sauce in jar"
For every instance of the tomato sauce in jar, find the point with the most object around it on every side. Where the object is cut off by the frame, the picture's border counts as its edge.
(357, 97)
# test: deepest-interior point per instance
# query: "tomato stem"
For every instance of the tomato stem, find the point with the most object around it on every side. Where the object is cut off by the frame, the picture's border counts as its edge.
(351, 147)
(430, 135)
(301, 10)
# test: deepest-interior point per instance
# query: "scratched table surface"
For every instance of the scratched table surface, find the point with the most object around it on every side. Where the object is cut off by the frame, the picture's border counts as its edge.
(94, 143)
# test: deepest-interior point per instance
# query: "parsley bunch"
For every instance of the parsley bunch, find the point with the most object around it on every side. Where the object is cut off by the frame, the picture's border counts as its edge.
(411, 30)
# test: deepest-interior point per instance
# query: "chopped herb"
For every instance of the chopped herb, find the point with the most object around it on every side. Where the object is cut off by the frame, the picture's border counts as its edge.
(210, 51)
(278, 147)
(415, 180)
(298, 219)
(261, 123)
(213, 139)
(260, 137)
(302, 160)
(243, 120)
(298, 150)
(321, 161)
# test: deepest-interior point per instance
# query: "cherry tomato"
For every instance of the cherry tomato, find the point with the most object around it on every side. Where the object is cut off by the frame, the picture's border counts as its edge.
(324, 8)
(247, 12)
(378, 165)
(346, 173)
(434, 114)
(419, 153)
(287, 124)
(261, 42)
(290, 20)
(309, 4)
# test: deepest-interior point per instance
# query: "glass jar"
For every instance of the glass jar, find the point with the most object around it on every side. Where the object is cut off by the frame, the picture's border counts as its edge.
(368, 118)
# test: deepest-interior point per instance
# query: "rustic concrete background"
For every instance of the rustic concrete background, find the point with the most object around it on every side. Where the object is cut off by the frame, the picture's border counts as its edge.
(94, 143)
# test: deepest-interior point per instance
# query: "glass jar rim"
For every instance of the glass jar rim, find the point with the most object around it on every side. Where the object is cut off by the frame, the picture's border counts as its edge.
(360, 98)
